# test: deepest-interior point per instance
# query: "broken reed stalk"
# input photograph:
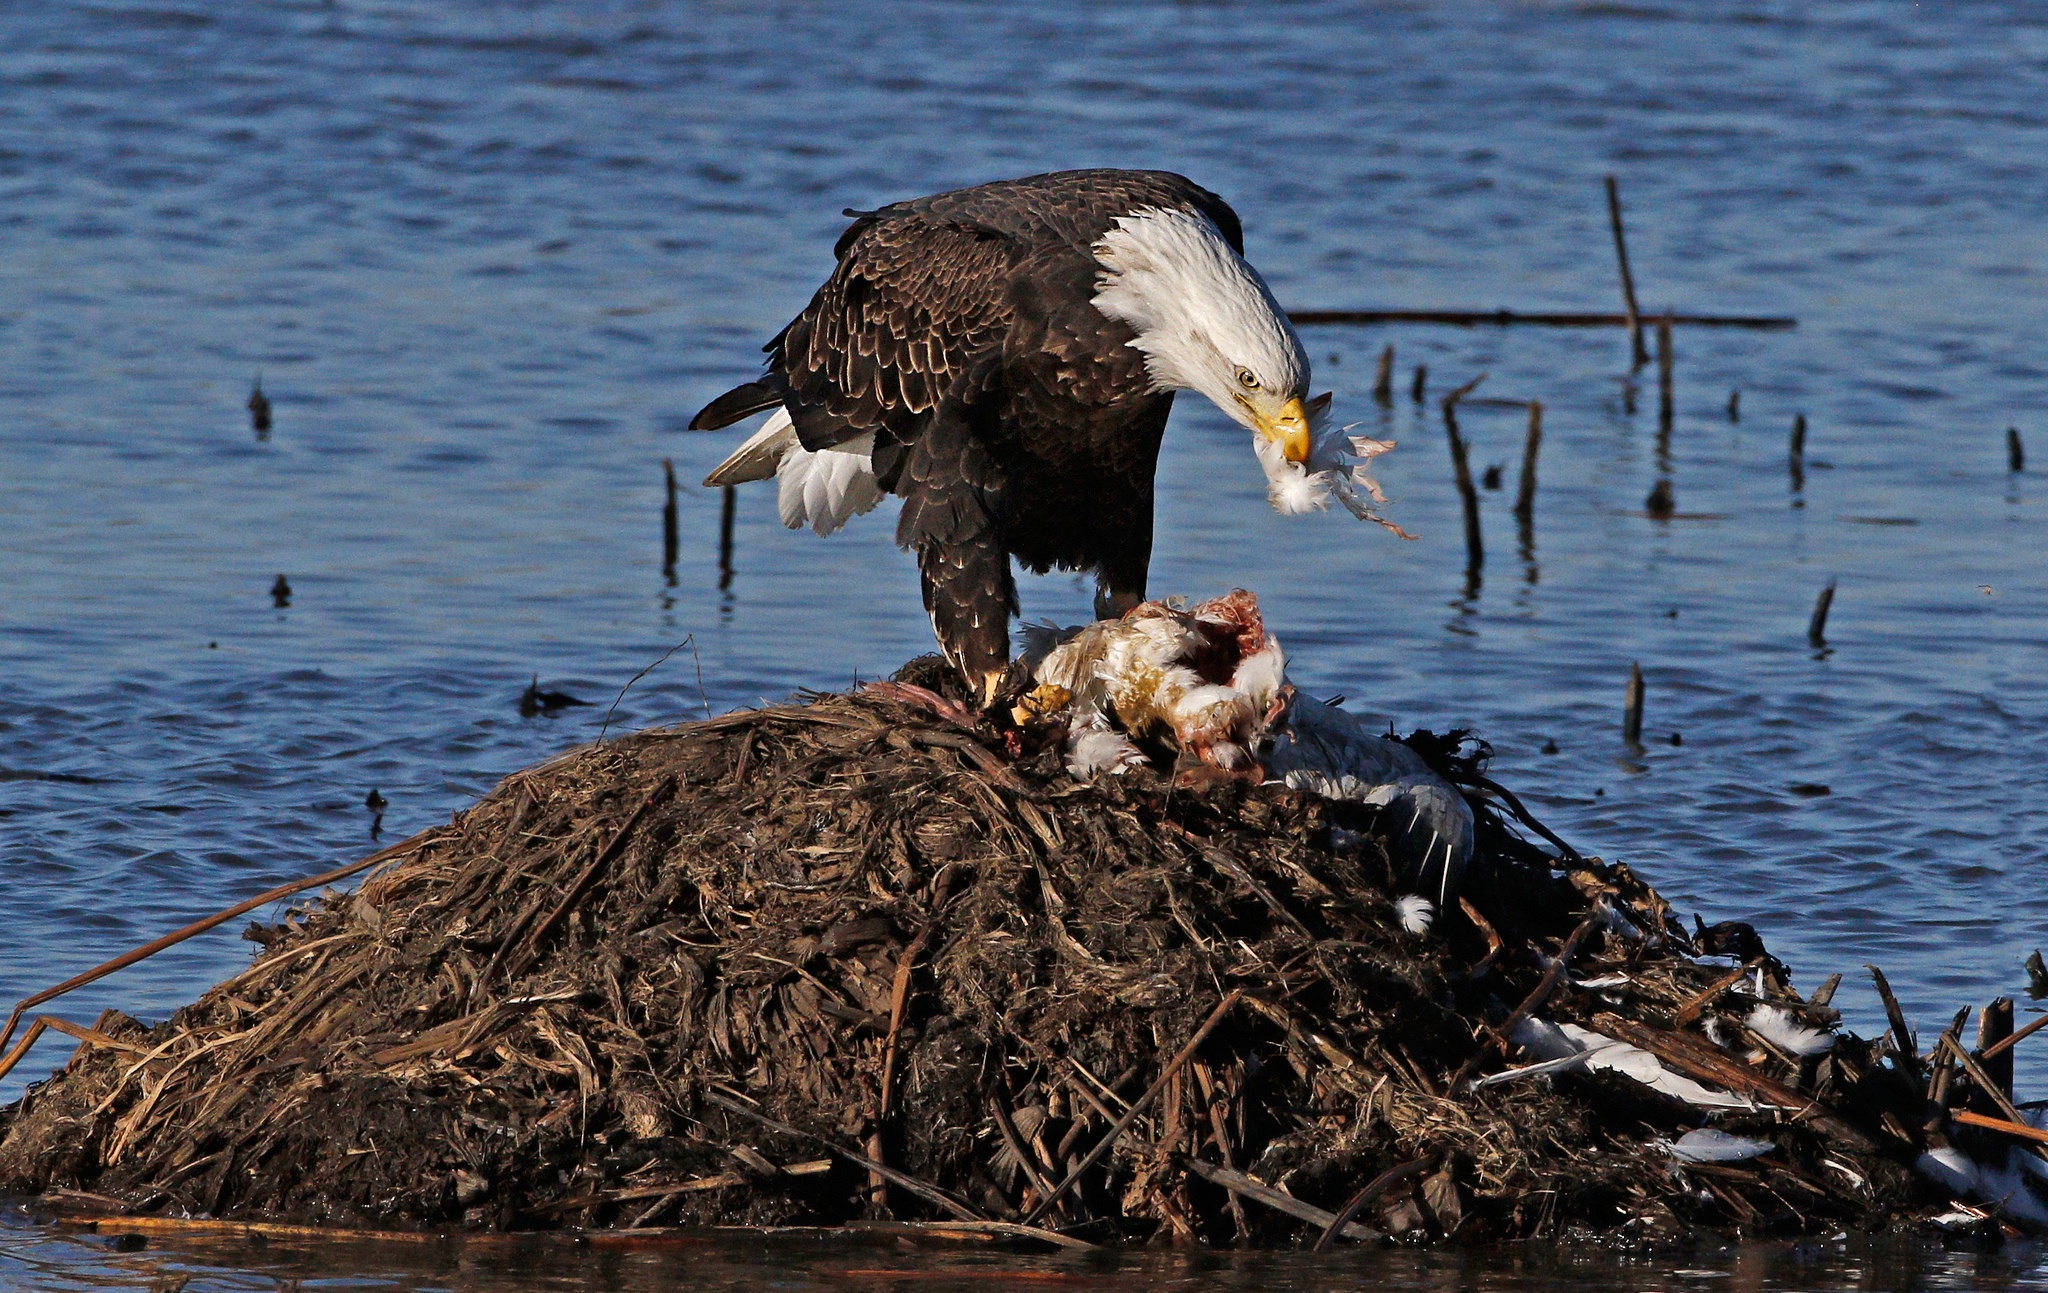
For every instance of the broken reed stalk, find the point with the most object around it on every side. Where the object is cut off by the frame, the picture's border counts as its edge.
(2017, 1130)
(1373, 1189)
(1690, 1011)
(2015, 452)
(1260, 1192)
(1632, 707)
(1461, 470)
(1383, 380)
(1983, 1081)
(1638, 356)
(197, 927)
(670, 543)
(1525, 497)
(1902, 1035)
(727, 505)
(930, 1193)
(1122, 1124)
(1664, 373)
(1817, 627)
(1497, 1038)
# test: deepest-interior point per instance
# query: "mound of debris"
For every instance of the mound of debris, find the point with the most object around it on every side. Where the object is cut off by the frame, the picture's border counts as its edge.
(877, 957)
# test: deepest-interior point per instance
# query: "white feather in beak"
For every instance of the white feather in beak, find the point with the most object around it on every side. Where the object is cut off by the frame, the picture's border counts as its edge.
(1335, 468)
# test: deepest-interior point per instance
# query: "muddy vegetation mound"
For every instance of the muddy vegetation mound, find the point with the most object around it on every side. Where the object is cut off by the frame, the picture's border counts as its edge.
(853, 959)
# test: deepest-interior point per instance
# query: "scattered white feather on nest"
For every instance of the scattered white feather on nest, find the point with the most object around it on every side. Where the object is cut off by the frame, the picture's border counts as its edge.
(1781, 1028)
(1100, 752)
(1336, 468)
(1712, 1145)
(1415, 912)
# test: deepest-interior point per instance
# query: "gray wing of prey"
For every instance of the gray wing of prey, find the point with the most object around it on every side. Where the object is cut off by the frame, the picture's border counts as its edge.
(1427, 824)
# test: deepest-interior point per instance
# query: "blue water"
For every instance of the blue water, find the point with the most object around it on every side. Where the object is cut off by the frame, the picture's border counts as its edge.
(489, 258)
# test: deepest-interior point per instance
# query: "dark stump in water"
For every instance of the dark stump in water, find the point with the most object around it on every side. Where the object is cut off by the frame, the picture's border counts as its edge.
(709, 975)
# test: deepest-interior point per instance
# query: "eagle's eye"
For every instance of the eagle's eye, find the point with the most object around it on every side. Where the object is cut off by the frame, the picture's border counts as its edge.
(1247, 379)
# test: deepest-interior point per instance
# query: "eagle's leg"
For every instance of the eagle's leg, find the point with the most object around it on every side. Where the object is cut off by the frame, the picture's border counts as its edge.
(971, 597)
(1113, 603)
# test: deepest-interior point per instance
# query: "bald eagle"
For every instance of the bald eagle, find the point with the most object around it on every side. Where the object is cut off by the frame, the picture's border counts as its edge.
(1003, 358)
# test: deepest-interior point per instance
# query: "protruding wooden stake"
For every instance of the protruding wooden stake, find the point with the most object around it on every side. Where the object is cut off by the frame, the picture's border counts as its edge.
(1461, 470)
(1796, 454)
(259, 410)
(1817, 627)
(1383, 381)
(1632, 707)
(1993, 1027)
(727, 506)
(1525, 497)
(2015, 452)
(669, 539)
(1639, 355)
(1664, 373)
(1419, 388)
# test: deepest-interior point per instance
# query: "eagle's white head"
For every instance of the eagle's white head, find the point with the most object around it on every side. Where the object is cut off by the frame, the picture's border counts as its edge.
(1207, 323)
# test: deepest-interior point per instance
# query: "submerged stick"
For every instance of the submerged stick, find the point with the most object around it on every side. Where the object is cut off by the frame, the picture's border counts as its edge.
(930, 1193)
(727, 505)
(1260, 1192)
(1817, 627)
(1537, 318)
(1525, 497)
(669, 538)
(1109, 1137)
(1377, 1186)
(1632, 707)
(1383, 381)
(1639, 356)
(946, 1229)
(177, 936)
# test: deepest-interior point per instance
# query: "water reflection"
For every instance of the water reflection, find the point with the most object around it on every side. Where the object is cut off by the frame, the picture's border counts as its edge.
(51, 1260)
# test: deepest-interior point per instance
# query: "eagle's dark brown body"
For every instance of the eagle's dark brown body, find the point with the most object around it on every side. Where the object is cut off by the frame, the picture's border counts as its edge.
(1011, 415)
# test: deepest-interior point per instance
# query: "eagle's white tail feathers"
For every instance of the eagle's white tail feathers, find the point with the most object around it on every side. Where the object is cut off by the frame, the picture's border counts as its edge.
(826, 489)
(760, 456)
(822, 490)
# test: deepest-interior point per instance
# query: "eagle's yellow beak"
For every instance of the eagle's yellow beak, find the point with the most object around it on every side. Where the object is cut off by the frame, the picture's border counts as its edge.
(1289, 430)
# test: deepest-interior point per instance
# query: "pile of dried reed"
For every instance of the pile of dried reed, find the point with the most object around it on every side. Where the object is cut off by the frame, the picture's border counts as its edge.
(856, 959)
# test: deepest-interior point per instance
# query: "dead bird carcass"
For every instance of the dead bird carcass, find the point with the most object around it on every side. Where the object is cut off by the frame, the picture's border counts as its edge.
(872, 956)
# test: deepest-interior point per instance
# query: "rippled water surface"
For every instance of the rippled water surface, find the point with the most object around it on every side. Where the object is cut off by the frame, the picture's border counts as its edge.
(488, 258)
